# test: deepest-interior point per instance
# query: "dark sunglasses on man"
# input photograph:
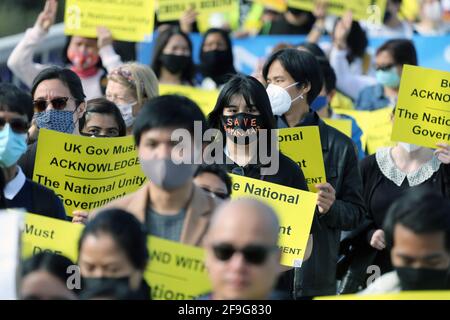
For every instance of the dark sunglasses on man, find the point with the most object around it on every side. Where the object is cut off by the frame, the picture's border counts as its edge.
(18, 125)
(58, 103)
(253, 253)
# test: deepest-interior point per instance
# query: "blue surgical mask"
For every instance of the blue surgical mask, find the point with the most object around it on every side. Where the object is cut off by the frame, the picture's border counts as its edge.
(12, 146)
(319, 103)
(58, 120)
(388, 78)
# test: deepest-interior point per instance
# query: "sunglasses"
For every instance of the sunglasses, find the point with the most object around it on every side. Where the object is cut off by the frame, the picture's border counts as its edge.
(386, 67)
(18, 125)
(57, 103)
(253, 253)
(217, 194)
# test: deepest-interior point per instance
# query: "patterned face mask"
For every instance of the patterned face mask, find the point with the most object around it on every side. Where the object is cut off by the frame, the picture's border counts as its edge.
(58, 120)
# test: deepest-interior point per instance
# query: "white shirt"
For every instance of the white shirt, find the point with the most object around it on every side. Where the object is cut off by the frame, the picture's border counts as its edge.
(13, 187)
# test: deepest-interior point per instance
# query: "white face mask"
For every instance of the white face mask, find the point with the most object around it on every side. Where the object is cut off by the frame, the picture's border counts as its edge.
(409, 147)
(432, 11)
(127, 113)
(280, 100)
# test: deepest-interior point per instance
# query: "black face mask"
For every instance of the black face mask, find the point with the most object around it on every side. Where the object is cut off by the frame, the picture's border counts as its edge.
(174, 63)
(242, 125)
(215, 62)
(423, 279)
(91, 283)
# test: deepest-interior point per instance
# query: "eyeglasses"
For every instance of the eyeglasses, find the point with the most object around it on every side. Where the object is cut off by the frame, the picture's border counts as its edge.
(386, 67)
(57, 103)
(216, 194)
(18, 125)
(254, 254)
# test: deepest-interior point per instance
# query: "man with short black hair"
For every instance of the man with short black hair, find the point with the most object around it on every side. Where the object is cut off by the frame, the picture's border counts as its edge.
(170, 205)
(16, 112)
(417, 231)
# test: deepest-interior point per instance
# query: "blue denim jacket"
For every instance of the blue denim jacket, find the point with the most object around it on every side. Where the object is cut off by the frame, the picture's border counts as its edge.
(372, 98)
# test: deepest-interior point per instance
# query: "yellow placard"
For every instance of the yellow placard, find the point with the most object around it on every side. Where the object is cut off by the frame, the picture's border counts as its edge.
(361, 9)
(278, 5)
(295, 209)
(173, 9)
(302, 145)
(175, 270)
(343, 125)
(206, 99)
(48, 234)
(128, 20)
(422, 115)
(376, 126)
(87, 173)
(404, 295)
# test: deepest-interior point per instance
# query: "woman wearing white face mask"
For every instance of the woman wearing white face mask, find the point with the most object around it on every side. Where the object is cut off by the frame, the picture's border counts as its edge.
(391, 172)
(129, 87)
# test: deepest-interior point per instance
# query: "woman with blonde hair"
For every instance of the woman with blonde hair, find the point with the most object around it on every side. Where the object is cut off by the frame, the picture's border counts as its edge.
(129, 87)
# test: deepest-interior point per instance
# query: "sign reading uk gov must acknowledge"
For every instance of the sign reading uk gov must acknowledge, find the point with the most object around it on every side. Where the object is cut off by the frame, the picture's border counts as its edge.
(422, 114)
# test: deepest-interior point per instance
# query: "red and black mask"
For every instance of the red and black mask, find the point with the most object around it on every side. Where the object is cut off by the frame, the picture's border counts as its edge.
(242, 125)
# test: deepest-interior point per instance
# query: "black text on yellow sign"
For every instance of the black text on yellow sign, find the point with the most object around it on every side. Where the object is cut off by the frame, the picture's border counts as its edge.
(422, 114)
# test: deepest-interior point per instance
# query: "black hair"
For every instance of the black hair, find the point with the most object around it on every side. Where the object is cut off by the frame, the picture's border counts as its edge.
(168, 111)
(357, 42)
(127, 232)
(69, 78)
(329, 76)
(313, 48)
(13, 99)
(55, 264)
(401, 50)
(302, 66)
(253, 93)
(420, 210)
(222, 73)
(104, 106)
(160, 44)
(217, 170)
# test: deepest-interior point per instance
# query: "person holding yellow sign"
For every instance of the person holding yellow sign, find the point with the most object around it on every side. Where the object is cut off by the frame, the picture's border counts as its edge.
(295, 80)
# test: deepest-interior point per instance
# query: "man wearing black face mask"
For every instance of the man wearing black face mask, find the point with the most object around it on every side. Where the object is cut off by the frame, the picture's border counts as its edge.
(417, 230)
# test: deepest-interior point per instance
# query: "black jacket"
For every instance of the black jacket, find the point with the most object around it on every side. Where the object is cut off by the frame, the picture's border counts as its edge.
(317, 276)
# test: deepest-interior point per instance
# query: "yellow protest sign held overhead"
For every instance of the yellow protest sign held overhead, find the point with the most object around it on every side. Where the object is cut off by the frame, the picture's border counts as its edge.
(128, 20)
(87, 173)
(343, 125)
(174, 9)
(302, 145)
(422, 115)
(176, 271)
(278, 5)
(47, 234)
(206, 99)
(361, 9)
(295, 209)
(404, 295)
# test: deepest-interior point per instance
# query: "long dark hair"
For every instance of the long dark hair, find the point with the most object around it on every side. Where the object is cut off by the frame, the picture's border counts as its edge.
(163, 38)
(253, 93)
